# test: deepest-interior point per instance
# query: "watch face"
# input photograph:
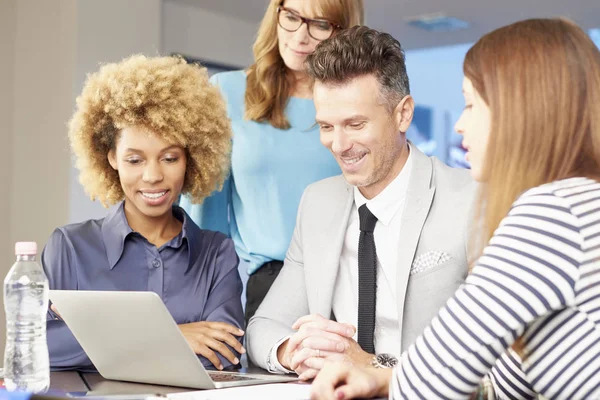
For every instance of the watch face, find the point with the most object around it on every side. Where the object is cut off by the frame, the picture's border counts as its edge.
(387, 360)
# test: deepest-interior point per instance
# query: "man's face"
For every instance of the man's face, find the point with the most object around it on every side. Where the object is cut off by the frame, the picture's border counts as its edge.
(366, 139)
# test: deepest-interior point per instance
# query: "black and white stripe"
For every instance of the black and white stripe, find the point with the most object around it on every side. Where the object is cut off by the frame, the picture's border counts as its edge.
(538, 277)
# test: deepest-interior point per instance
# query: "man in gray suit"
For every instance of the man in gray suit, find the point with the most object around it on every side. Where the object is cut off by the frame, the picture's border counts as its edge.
(377, 251)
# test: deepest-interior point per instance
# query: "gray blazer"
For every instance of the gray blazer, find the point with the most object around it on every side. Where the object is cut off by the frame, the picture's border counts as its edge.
(432, 261)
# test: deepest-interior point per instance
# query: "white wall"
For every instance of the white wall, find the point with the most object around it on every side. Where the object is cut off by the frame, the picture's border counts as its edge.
(42, 102)
(38, 49)
(206, 35)
(8, 16)
(47, 49)
(108, 31)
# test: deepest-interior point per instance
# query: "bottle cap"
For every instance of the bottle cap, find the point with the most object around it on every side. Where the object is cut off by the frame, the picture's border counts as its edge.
(26, 248)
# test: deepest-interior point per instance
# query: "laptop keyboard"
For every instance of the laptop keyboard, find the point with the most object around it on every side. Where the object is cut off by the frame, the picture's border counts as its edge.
(220, 377)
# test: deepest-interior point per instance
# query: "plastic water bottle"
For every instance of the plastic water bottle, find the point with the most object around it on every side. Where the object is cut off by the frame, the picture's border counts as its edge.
(26, 363)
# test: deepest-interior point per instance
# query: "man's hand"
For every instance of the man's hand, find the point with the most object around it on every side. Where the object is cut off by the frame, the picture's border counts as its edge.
(354, 355)
(341, 381)
(206, 338)
(319, 339)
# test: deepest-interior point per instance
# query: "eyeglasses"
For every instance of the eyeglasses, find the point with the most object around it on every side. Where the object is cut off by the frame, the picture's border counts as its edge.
(319, 29)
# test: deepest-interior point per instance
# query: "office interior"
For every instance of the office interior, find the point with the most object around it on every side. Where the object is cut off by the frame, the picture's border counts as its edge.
(48, 47)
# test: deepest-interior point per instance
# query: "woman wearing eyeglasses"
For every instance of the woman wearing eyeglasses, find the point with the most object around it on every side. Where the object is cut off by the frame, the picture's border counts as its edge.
(276, 149)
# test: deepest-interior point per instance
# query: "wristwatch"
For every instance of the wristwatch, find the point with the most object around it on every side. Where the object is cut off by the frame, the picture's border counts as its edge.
(384, 360)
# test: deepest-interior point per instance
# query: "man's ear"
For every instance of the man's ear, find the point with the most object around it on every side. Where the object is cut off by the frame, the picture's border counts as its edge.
(112, 159)
(403, 113)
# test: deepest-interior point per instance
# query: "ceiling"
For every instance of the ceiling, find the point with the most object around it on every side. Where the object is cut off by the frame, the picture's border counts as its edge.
(391, 15)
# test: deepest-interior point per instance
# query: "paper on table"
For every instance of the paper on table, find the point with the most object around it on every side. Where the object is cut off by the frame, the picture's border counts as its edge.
(275, 391)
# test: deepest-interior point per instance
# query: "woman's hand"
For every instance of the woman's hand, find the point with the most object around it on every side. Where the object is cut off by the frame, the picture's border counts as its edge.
(206, 338)
(338, 381)
(55, 311)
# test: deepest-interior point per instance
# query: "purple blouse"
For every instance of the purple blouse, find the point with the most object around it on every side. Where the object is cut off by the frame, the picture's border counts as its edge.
(195, 274)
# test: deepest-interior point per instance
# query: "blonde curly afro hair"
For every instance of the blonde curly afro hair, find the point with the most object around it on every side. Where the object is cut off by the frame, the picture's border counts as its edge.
(164, 95)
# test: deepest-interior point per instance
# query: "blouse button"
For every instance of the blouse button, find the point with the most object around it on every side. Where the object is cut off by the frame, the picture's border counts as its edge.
(156, 263)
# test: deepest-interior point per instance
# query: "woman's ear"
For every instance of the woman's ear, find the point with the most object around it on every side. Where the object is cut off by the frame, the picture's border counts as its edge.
(112, 159)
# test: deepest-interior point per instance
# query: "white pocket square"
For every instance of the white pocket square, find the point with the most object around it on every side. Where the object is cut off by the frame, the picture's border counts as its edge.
(428, 260)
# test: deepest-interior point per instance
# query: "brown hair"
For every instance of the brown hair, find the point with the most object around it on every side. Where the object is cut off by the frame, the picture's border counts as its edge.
(362, 51)
(164, 95)
(267, 85)
(541, 81)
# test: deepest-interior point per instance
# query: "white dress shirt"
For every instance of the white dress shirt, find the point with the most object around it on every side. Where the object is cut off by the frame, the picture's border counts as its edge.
(387, 206)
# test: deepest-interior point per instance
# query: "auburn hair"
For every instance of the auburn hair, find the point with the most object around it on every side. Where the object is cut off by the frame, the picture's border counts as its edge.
(267, 85)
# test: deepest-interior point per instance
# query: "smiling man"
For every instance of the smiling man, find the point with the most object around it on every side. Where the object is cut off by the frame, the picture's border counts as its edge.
(377, 251)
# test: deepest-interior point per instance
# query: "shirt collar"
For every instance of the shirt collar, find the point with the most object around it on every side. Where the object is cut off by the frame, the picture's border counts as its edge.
(387, 203)
(192, 234)
(177, 241)
(116, 229)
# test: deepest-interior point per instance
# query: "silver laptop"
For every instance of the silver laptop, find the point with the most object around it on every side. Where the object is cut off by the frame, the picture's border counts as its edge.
(131, 336)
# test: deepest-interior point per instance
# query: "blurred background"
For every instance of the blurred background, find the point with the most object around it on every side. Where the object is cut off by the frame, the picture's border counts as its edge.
(48, 46)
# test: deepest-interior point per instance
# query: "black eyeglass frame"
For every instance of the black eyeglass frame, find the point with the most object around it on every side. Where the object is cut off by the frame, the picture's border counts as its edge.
(306, 21)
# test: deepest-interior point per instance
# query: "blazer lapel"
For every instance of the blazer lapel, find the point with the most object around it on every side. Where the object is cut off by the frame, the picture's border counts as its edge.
(333, 241)
(416, 208)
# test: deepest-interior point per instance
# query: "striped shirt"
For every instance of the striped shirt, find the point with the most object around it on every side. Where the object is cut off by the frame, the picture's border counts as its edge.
(538, 277)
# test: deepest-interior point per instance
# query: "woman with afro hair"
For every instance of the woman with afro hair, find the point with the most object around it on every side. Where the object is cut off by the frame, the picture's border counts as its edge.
(145, 131)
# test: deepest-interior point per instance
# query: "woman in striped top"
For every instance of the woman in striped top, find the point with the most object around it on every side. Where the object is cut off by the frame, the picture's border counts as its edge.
(529, 312)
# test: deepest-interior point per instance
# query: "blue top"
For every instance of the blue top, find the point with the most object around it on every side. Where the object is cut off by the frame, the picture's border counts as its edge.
(270, 168)
(195, 274)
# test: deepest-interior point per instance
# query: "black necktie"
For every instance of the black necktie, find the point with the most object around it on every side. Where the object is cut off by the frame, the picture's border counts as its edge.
(367, 278)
